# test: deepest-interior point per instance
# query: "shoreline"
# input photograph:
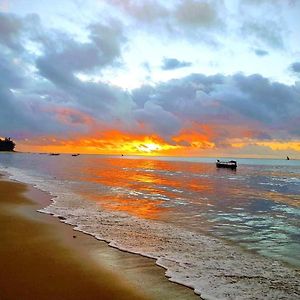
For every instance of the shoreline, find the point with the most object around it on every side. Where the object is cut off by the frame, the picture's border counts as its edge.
(223, 271)
(126, 275)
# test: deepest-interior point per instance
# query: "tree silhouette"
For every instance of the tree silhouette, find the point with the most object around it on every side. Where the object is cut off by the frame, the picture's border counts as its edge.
(7, 144)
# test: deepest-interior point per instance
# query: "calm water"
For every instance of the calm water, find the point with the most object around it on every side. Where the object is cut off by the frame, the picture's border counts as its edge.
(256, 206)
(214, 230)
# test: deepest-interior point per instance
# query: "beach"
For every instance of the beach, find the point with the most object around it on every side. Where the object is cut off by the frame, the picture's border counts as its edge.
(41, 258)
(219, 234)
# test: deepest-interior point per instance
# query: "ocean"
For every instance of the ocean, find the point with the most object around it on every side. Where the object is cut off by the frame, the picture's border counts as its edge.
(225, 233)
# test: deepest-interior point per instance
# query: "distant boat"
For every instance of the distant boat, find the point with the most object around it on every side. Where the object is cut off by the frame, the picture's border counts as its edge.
(54, 154)
(75, 154)
(232, 164)
(287, 158)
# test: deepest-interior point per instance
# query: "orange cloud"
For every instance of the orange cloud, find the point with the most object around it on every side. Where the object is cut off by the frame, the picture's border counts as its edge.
(199, 137)
(275, 145)
(71, 116)
(187, 142)
(281, 145)
(108, 142)
(198, 140)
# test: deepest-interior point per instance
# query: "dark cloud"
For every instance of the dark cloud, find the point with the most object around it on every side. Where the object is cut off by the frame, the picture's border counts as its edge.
(54, 100)
(13, 113)
(10, 30)
(269, 32)
(157, 120)
(23, 114)
(108, 38)
(63, 55)
(10, 73)
(189, 19)
(269, 2)
(295, 67)
(143, 94)
(227, 103)
(261, 52)
(15, 31)
(67, 57)
(195, 14)
(10, 117)
(173, 63)
(256, 98)
(147, 11)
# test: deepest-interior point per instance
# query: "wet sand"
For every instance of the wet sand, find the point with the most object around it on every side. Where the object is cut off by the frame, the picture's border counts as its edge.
(41, 258)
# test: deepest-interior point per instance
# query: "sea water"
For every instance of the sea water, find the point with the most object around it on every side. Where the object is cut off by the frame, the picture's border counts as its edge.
(226, 233)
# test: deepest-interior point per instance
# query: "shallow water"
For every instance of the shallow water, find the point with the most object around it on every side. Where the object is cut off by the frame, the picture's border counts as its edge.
(154, 206)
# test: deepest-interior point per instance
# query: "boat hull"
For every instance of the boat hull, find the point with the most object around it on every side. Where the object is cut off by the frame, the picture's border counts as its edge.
(226, 165)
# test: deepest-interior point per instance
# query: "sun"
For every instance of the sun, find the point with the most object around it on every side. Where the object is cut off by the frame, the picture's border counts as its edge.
(149, 147)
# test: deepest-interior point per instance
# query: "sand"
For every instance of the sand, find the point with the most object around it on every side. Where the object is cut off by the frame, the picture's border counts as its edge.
(41, 258)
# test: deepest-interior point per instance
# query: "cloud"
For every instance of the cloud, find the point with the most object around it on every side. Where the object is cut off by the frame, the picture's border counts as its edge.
(48, 97)
(195, 14)
(270, 2)
(146, 11)
(10, 30)
(14, 114)
(192, 13)
(23, 115)
(157, 120)
(230, 105)
(63, 55)
(108, 38)
(256, 98)
(173, 63)
(295, 67)
(191, 19)
(66, 58)
(267, 31)
(261, 52)
(10, 73)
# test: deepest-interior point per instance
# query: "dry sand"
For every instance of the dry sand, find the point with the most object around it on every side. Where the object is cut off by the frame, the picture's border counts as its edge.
(41, 258)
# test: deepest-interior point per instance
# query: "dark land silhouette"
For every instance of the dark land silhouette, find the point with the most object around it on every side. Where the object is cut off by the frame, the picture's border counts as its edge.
(7, 144)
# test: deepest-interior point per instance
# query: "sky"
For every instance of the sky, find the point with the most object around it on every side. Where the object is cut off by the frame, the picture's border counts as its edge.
(150, 77)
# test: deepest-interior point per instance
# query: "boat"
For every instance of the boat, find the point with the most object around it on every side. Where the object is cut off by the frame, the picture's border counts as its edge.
(54, 154)
(231, 164)
(75, 154)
